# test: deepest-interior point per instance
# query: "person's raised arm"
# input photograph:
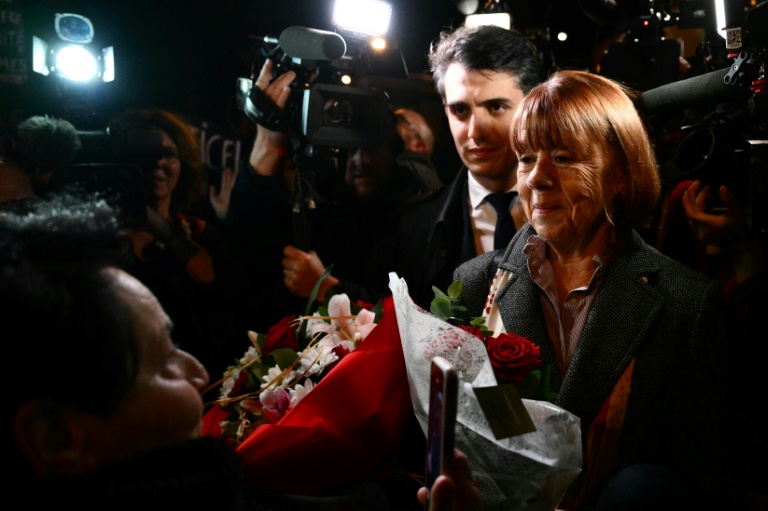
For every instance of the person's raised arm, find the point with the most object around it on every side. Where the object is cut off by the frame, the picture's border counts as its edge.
(265, 154)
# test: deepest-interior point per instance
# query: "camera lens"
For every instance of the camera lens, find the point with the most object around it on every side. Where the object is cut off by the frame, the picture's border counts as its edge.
(338, 113)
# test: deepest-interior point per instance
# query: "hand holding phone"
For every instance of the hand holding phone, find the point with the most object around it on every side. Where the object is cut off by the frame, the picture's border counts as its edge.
(443, 390)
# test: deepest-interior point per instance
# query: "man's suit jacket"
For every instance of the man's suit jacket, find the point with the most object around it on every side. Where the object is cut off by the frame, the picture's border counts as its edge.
(435, 236)
(649, 308)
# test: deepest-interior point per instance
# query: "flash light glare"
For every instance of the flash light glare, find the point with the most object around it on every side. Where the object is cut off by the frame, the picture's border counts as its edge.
(345, 79)
(720, 17)
(378, 43)
(562, 36)
(75, 63)
(500, 19)
(362, 16)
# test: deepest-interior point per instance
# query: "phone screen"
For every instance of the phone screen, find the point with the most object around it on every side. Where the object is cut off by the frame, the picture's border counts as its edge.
(442, 419)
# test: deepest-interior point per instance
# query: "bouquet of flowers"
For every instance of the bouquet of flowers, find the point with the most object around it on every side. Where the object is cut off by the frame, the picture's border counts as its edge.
(530, 471)
(337, 393)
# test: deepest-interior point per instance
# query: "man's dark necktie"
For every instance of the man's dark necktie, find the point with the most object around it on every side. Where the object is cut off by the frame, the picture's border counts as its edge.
(505, 226)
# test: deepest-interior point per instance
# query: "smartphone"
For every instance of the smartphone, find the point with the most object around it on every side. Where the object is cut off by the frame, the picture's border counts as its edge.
(443, 390)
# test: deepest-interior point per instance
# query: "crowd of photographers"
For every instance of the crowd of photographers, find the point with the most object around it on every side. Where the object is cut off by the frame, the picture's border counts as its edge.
(224, 258)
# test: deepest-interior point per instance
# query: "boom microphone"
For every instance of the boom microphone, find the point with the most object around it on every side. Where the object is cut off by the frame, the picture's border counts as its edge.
(312, 44)
(707, 89)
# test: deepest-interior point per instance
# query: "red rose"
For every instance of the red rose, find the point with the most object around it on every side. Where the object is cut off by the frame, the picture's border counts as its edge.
(281, 335)
(474, 330)
(513, 357)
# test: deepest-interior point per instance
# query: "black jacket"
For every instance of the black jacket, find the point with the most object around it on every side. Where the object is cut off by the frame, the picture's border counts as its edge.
(434, 238)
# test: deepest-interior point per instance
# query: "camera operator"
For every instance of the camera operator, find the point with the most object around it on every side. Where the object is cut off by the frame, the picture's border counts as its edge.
(737, 251)
(353, 214)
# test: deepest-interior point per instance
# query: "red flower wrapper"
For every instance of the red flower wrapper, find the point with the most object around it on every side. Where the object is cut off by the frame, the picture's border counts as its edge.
(349, 424)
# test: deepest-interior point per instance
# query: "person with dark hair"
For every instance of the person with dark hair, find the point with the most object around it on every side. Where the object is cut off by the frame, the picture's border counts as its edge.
(481, 74)
(45, 144)
(351, 203)
(109, 414)
(177, 252)
(635, 338)
(106, 411)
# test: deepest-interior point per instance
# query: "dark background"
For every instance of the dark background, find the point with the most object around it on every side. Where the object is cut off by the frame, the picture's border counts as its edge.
(186, 55)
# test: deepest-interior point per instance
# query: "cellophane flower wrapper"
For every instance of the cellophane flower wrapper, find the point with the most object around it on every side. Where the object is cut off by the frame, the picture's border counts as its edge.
(342, 431)
(525, 472)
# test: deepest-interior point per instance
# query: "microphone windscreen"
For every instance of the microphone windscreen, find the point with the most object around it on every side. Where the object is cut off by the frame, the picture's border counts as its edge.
(312, 44)
(47, 142)
(706, 89)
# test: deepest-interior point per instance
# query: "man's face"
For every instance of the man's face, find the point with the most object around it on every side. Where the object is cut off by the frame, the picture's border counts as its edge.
(368, 170)
(480, 106)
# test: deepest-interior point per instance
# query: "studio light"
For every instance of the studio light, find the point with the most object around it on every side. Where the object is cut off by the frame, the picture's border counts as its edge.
(491, 12)
(364, 25)
(500, 19)
(73, 56)
(720, 16)
(363, 17)
(75, 63)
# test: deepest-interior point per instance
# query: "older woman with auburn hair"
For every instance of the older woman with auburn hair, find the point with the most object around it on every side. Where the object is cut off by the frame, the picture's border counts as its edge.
(634, 338)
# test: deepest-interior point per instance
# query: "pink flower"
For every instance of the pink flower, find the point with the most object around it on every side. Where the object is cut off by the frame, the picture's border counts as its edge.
(275, 403)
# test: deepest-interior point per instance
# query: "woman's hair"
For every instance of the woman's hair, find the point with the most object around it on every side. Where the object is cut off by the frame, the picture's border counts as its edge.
(595, 117)
(190, 187)
(486, 48)
(68, 338)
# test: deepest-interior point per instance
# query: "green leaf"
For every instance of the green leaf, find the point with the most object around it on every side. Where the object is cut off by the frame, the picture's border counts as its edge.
(477, 321)
(441, 308)
(302, 335)
(284, 357)
(261, 340)
(454, 290)
(254, 377)
(378, 310)
(439, 294)
(544, 392)
(530, 385)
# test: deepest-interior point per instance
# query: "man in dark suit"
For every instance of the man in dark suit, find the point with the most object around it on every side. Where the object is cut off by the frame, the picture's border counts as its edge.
(481, 74)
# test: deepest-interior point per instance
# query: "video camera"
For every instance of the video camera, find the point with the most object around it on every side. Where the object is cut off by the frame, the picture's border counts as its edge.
(320, 113)
(725, 125)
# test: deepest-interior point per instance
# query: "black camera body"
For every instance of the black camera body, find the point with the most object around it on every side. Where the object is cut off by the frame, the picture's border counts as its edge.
(320, 113)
